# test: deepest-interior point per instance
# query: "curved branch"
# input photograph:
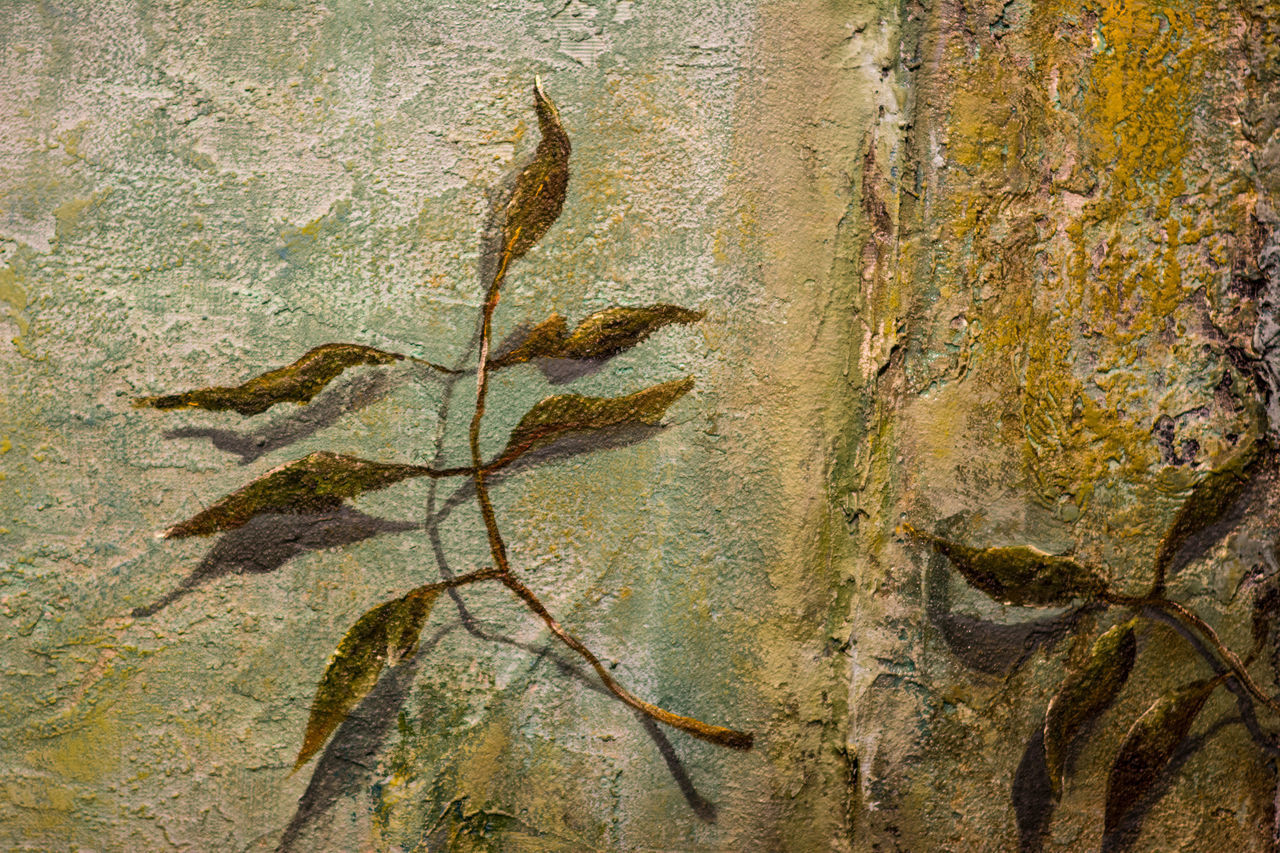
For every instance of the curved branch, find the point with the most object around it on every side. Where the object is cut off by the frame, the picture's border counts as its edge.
(715, 734)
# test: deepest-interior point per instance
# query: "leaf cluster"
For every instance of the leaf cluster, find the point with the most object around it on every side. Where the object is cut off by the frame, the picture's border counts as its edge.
(321, 482)
(1028, 577)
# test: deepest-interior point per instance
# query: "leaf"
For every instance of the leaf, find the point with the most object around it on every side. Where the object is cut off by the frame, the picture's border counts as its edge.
(1150, 743)
(542, 341)
(539, 191)
(1208, 502)
(1085, 694)
(1019, 575)
(556, 417)
(600, 335)
(297, 382)
(385, 635)
(315, 483)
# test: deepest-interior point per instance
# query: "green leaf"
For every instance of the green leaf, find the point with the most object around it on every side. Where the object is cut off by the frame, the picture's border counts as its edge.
(1208, 502)
(384, 636)
(1085, 694)
(542, 341)
(315, 483)
(1019, 575)
(1150, 743)
(601, 335)
(538, 195)
(556, 417)
(297, 382)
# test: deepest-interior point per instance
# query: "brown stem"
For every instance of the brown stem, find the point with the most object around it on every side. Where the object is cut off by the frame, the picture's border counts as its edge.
(715, 734)
(697, 728)
(463, 580)
(496, 545)
(449, 371)
(1190, 618)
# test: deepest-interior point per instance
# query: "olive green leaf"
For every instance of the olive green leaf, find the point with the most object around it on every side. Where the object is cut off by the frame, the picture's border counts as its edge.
(1208, 502)
(1085, 694)
(297, 382)
(601, 335)
(542, 341)
(384, 636)
(316, 483)
(538, 195)
(1019, 575)
(1150, 743)
(556, 417)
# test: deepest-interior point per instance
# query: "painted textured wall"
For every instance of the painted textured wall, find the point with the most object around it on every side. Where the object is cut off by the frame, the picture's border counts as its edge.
(983, 268)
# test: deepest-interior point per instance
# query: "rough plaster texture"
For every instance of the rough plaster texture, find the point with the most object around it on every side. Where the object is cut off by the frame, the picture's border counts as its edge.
(963, 264)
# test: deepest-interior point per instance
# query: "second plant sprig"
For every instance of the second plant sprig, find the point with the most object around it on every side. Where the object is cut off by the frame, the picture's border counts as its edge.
(1027, 577)
(322, 481)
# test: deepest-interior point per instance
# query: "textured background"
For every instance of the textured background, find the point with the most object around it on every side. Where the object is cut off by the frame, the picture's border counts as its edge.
(966, 263)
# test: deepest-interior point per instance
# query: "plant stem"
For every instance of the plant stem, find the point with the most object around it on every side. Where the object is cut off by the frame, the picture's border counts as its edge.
(448, 371)
(715, 734)
(1193, 620)
(497, 547)
(463, 580)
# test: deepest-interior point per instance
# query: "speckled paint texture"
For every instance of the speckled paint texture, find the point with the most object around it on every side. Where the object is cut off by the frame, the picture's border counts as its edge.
(1006, 270)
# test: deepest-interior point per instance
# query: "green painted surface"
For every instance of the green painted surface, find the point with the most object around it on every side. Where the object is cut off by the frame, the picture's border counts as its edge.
(956, 264)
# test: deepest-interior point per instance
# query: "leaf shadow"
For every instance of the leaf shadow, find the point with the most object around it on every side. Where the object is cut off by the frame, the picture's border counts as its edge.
(992, 648)
(561, 371)
(266, 542)
(344, 396)
(1261, 485)
(349, 761)
(1124, 836)
(1033, 795)
(563, 449)
(556, 371)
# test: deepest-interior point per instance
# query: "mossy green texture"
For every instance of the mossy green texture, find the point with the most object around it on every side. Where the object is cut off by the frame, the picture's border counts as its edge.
(194, 194)
(955, 262)
(1078, 214)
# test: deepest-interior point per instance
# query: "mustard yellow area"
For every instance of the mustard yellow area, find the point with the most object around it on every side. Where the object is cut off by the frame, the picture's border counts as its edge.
(298, 239)
(68, 216)
(1075, 208)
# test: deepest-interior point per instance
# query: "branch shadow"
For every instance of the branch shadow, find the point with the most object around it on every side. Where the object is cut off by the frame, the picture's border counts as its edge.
(266, 542)
(346, 395)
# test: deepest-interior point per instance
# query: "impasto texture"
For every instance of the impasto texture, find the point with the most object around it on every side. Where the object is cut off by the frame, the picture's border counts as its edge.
(673, 426)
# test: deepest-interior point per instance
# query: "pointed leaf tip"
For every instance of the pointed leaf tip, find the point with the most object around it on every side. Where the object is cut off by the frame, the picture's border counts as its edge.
(316, 483)
(566, 414)
(538, 194)
(600, 335)
(1019, 575)
(297, 382)
(1085, 694)
(1150, 744)
(381, 637)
